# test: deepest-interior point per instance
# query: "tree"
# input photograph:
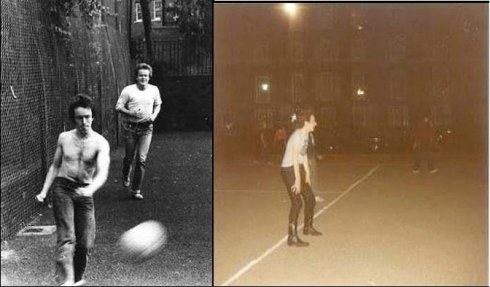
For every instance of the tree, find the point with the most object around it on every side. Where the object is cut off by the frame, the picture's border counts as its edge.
(195, 19)
(145, 11)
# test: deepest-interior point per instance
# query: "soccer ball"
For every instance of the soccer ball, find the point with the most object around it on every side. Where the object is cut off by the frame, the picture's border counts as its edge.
(143, 241)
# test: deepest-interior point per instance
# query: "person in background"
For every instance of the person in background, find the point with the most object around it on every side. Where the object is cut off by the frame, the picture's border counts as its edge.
(139, 104)
(313, 158)
(424, 145)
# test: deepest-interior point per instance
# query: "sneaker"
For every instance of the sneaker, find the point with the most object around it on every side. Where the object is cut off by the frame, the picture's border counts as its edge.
(434, 170)
(416, 171)
(294, 240)
(137, 195)
(125, 181)
(311, 231)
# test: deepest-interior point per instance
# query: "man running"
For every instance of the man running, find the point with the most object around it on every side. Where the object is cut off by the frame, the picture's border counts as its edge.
(140, 104)
(80, 167)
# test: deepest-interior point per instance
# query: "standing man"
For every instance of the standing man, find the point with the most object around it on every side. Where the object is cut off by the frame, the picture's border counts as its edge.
(139, 104)
(295, 172)
(80, 167)
(424, 145)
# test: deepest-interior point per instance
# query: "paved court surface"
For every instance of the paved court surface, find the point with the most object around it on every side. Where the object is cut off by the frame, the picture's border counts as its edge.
(178, 193)
(382, 224)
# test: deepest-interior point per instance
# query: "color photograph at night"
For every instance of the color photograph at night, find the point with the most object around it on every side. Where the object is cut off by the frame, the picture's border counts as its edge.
(350, 144)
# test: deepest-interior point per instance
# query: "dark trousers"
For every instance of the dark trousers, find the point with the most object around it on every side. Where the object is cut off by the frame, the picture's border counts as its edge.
(75, 224)
(137, 142)
(423, 155)
(306, 194)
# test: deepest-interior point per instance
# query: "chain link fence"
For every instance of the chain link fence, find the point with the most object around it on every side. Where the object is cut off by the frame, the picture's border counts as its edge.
(42, 68)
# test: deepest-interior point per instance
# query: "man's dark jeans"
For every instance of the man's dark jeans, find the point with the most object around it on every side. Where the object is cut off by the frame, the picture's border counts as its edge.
(296, 201)
(75, 223)
(137, 142)
(421, 155)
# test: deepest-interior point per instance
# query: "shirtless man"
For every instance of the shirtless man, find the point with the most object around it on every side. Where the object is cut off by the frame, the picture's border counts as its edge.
(80, 167)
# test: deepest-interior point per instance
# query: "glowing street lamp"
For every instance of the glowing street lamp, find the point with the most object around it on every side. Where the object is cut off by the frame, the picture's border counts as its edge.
(291, 9)
(360, 92)
(264, 87)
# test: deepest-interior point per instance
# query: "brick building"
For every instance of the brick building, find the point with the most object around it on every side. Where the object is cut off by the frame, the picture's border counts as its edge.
(367, 69)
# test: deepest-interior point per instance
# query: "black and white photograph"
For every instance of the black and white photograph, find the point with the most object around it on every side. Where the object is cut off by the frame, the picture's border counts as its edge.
(106, 142)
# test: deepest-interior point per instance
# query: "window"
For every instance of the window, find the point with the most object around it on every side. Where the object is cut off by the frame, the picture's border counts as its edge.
(358, 49)
(359, 116)
(398, 47)
(297, 87)
(398, 86)
(440, 82)
(264, 114)
(296, 24)
(138, 14)
(327, 50)
(156, 14)
(398, 116)
(328, 117)
(441, 47)
(441, 115)
(297, 51)
(260, 53)
(325, 86)
(262, 90)
(155, 11)
(326, 14)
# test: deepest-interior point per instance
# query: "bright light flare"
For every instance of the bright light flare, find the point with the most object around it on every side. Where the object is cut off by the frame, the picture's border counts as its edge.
(360, 92)
(265, 87)
(291, 9)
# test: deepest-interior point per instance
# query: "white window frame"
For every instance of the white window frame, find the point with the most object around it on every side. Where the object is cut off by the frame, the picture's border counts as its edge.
(153, 12)
(137, 10)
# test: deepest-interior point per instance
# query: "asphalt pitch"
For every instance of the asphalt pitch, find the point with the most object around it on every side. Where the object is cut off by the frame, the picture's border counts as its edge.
(178, 193)
(382, 224)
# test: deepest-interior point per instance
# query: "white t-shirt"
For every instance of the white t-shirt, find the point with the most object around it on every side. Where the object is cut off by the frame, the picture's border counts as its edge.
(300, 139)
(135, 99)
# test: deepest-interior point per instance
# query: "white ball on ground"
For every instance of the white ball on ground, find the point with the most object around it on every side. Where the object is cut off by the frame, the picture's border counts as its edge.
(143, 241)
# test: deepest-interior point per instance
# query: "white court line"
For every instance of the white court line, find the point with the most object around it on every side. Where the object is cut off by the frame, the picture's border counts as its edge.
(268, 191)
(270, 250)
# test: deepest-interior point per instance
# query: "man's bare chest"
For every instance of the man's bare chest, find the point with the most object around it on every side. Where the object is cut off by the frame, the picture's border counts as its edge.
(80, 151)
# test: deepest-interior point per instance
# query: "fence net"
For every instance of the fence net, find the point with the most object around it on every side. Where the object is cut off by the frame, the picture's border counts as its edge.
(41, 70)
